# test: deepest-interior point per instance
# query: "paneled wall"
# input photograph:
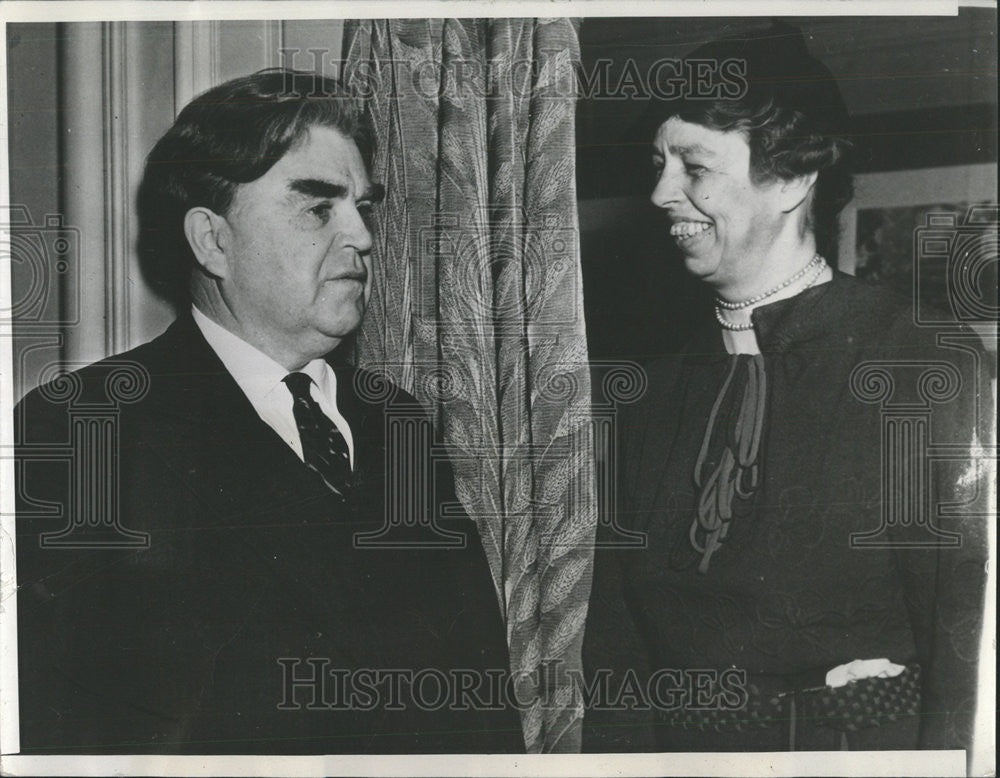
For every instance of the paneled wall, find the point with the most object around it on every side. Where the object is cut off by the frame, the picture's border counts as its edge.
(90, 101)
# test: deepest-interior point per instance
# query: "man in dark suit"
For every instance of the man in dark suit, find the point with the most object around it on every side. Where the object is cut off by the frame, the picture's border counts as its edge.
(231, 558)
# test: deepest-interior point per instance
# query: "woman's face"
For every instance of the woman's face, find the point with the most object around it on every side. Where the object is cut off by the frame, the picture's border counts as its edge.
(724, 224)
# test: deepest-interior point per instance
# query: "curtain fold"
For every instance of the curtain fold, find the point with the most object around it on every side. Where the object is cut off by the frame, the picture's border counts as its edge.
(477, 309)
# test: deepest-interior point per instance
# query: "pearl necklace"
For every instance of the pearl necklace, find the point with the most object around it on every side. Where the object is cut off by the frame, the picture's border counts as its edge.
(725, 323)
(731, 326)
(817, 259)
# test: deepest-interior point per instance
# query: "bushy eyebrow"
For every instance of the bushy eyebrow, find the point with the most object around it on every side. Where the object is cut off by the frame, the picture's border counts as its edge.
(318, 187)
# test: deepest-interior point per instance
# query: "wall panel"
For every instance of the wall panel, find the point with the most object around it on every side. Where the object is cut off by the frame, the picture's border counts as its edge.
(120, 86)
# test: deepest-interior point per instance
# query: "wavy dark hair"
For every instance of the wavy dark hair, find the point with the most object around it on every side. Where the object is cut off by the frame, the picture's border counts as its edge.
(230, 135)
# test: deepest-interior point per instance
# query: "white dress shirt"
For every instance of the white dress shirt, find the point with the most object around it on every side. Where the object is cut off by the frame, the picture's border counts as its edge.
(261, 379)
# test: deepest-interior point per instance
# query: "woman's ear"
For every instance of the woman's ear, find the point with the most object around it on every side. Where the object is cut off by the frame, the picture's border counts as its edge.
(208, 235)
(795, 191)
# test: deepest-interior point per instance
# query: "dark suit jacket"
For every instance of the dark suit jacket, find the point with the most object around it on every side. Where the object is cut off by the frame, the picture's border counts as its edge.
(252, 567)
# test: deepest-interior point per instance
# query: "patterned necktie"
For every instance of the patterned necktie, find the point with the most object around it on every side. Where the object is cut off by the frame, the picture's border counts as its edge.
(323, 445)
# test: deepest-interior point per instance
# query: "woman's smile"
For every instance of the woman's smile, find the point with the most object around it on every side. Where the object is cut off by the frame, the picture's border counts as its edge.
(689, 234)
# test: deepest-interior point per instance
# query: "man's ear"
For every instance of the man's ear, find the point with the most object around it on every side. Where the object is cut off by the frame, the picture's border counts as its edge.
(794, 191)
(208, 235)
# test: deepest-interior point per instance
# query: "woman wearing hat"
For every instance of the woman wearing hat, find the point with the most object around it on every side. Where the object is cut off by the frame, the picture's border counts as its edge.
(791, 591)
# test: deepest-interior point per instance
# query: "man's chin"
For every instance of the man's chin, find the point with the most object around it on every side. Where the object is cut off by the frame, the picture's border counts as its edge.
(342, 327)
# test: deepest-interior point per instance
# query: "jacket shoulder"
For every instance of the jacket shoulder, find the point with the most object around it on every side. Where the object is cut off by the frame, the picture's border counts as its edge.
(113, 382)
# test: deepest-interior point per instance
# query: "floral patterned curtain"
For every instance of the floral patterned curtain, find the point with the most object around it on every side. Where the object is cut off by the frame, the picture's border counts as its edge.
(477, 309)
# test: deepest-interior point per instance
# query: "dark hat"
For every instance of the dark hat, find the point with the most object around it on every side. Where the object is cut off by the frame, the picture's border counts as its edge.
(756, 68)
(779, 67)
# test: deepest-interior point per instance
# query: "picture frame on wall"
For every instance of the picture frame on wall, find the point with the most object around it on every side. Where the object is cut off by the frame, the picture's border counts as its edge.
(903, 227)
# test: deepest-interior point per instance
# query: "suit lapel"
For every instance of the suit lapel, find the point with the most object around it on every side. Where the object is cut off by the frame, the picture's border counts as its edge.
(364, 419)
(209, 433)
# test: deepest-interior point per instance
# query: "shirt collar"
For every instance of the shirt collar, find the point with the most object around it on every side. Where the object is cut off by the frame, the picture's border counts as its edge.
(323, 376)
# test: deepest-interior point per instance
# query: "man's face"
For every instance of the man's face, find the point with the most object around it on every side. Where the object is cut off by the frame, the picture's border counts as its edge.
(297, 251)
(723, 223)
